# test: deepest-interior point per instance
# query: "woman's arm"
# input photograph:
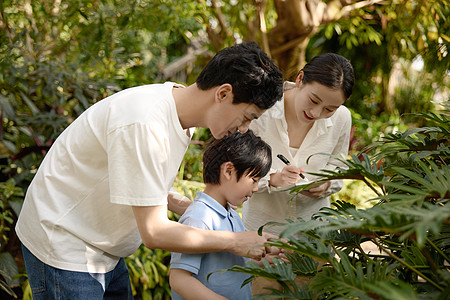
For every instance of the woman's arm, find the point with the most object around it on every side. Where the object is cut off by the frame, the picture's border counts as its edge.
(189, 287)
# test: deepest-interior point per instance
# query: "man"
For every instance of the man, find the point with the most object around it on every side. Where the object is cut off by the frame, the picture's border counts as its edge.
(102, 189)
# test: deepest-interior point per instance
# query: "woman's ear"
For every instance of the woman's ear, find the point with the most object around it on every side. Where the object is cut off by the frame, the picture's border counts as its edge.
(298, 81)
(226, 170)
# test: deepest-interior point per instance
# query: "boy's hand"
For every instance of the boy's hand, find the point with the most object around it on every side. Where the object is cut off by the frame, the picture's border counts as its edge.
(250, 244)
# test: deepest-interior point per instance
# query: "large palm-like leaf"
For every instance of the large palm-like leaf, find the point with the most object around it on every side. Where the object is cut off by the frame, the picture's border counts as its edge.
(357, 281)
(282, 272)
(408, 222)
(356, 169)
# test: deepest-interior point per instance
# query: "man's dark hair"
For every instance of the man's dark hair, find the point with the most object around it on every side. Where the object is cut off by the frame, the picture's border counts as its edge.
(253, 75)
(248, 153)
(331, 70)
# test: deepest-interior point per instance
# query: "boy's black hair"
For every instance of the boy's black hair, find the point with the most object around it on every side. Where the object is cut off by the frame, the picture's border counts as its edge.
(253, 75)
(331, 70)
(248, 153)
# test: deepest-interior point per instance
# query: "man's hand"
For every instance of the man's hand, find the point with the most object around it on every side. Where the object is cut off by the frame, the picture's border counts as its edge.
(274, 252)
(250, 244)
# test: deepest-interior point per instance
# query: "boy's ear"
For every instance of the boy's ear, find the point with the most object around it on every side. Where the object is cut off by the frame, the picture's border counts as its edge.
(224, 92)
(226, 170)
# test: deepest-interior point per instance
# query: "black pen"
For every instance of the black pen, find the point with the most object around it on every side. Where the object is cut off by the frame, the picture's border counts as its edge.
(287, 162)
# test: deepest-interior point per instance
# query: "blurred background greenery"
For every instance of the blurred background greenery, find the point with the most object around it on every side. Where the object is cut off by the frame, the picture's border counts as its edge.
(59, 57)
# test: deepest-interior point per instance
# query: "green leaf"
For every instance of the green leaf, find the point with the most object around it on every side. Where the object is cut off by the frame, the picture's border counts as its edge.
(9, 267)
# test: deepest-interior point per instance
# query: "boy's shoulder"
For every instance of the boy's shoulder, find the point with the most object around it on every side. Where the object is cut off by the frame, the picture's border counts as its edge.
(208, 211)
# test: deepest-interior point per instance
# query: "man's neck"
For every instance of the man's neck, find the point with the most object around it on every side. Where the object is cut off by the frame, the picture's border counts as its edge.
(192, 105)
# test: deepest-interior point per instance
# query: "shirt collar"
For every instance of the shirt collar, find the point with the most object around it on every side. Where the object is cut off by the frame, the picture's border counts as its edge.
(213, 204)
(322, 125)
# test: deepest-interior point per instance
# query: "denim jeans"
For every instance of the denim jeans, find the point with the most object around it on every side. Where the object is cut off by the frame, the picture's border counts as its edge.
(48, 283)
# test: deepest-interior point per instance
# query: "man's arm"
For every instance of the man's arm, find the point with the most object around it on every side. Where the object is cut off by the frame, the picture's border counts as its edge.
(157, 231)
(189, 287)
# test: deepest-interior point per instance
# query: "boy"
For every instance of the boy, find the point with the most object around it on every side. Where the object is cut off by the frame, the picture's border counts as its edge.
(103, 187)
(232, 168)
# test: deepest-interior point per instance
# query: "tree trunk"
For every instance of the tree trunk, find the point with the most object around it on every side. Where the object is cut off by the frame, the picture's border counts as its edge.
(297, 22)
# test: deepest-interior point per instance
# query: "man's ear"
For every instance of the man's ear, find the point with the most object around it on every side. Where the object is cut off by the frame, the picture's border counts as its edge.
(226, 170)
(224, 92)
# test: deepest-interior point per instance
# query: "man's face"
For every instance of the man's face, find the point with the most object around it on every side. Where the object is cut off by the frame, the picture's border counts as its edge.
(229, 118)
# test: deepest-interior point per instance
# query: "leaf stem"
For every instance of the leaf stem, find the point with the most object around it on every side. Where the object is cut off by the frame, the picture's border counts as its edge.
(438, 250)
(370, 186)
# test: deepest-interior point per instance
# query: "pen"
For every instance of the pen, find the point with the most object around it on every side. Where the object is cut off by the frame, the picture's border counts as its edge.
(286, 161)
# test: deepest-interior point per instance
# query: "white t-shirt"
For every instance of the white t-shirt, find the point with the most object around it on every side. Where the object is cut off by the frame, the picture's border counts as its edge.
(123, 151)
(330, 136)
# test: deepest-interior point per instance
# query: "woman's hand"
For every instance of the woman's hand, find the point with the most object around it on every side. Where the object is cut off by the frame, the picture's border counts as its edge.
(317, 191)
(289, 175)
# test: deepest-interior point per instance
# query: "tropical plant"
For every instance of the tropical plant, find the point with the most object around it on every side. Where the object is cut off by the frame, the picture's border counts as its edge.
(409, 226)
(149, 273)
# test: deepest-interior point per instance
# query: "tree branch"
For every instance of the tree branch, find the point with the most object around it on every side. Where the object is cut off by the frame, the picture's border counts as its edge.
(260, 7)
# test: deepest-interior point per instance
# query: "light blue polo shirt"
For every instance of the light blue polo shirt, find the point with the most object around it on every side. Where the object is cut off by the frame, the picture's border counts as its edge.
(207, 213)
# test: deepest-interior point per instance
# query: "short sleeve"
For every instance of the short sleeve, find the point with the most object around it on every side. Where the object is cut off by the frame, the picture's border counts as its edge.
(137, 164)
(188, 262)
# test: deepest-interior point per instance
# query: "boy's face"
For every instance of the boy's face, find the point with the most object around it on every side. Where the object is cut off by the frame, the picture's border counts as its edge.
(239, 191)
(226, 117)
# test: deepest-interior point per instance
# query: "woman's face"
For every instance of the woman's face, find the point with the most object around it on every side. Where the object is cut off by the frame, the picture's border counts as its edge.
(314, 101)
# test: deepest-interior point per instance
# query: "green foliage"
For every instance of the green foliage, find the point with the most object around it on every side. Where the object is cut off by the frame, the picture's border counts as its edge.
(369, 129)
(10, 203)
(8, 271)
(401, 32)
(149, 273)
(409, 172)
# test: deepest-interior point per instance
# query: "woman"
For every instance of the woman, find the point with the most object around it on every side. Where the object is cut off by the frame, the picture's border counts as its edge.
(310, 119)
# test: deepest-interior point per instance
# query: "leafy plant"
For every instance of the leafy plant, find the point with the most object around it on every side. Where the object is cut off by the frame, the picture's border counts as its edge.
(149, 273)
(10, 203)
(410, 226)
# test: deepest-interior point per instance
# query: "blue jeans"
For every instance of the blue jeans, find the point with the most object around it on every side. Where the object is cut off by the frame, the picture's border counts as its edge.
(49, 283)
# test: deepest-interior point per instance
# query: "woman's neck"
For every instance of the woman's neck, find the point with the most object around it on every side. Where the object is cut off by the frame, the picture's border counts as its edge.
(297, 130)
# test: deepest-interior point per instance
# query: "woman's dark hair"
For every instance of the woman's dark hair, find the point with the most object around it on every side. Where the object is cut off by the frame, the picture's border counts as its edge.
(331, 70)
(248, 153)
(253, 75)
